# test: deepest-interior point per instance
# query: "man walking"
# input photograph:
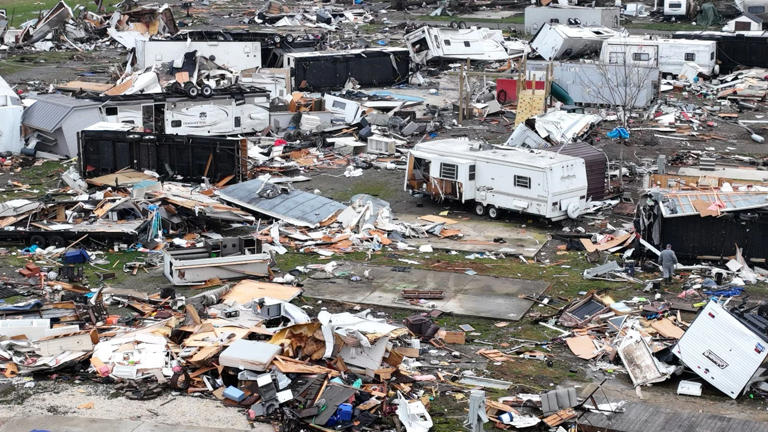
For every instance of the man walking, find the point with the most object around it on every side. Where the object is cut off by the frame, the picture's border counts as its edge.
(667, 260)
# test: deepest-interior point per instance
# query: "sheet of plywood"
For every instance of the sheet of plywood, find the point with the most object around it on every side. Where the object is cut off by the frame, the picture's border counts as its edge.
(438, 219)
(588, 245)
(582, 347)
(613, 243)
(247, 290)
(667, 328)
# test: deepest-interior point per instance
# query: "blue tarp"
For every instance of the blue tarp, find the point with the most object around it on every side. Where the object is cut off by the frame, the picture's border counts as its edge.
(618, 132)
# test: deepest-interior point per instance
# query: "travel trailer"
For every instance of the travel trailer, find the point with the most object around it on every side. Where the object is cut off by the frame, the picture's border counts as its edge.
(668, 54)
(11, 111)
(561, 42)
(429, 43)
(537, 16)
(528, 181)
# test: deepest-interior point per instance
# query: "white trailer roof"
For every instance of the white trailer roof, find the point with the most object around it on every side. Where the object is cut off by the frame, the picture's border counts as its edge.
(462, 149)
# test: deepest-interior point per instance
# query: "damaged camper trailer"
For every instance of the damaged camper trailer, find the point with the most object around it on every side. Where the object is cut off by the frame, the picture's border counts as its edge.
(537, 16)
(670, 55)
(54, 120)
(535, 182)
(428, 43)
(330, 70)
(561, 42)
(226, 258)
(11, 111)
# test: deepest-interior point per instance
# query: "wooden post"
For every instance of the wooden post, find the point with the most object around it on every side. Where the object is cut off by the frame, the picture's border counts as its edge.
(461, 93)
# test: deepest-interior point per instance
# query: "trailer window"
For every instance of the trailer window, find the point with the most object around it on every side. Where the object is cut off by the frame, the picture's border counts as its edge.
(175, 123)
(148, 118)
(756, 10)
(466, 44)
(641, 56)
(448, 171)
(339, 104)
(690, 56)
(522, 182)
(471, 172)
(554, 21)
(675, 5)
(110, 111)
(420, 45)
(616, 58)
(447, 42)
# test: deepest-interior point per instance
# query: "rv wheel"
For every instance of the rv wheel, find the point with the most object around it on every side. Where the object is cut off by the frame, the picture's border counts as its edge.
(493, 212)
(290, 38)
(37, 240)
(454, 25)
(192, 90)
(462, 25)
(479, 209)
(206, 91)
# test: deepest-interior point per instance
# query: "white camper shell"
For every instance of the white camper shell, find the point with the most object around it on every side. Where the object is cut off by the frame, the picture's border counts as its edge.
(480, 44)
(234, 55)
(670, 55)
(561, 42)
(528, 181)
(11, 111)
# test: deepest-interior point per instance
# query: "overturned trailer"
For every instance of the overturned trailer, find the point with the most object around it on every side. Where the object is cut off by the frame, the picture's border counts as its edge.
(705, 225)
(562, 42)
(56, 119)
(428, 43)
(527, 181)
(104, 152)
(330, 70)
(273, 43)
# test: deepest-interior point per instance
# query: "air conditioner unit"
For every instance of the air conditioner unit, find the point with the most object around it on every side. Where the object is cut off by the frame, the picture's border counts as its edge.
(382, 145)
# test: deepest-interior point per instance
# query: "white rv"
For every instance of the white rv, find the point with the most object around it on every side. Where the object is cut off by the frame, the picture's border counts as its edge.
(481, 44)
(675, 8)
(223, 114)
(560, 41)
(11, 111)
(528, 181)
(668, 54)
(235, 55)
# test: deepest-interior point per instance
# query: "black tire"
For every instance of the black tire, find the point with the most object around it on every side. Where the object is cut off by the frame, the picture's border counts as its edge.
(277, 39)
(462, 25)
(501, 96)
(57, 241)
(176, 87)
(454, 25)
(37, 240)
(206, 91)
(479, 209)
(192, 91)
(493, 212)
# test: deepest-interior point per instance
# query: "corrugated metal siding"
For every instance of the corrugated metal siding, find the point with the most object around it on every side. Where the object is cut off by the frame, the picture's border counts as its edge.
(49, 111)
(595, 163)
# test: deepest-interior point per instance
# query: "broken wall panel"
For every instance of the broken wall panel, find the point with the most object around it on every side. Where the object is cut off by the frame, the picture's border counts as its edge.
(191, 157)
(331, 70)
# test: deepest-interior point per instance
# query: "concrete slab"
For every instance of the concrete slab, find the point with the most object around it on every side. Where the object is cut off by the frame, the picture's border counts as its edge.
(479, 235)
(84, 424)
(483, 296)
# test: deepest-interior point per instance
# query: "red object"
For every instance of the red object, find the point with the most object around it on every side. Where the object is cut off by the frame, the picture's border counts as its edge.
(280, 142)
(26, 273)
(33, 268)
(506, 89)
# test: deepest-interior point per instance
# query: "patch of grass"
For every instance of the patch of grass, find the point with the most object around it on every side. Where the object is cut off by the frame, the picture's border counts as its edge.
(20, 11)
(515, 19)
(366, 185)
(665, 26)
(17, 63)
